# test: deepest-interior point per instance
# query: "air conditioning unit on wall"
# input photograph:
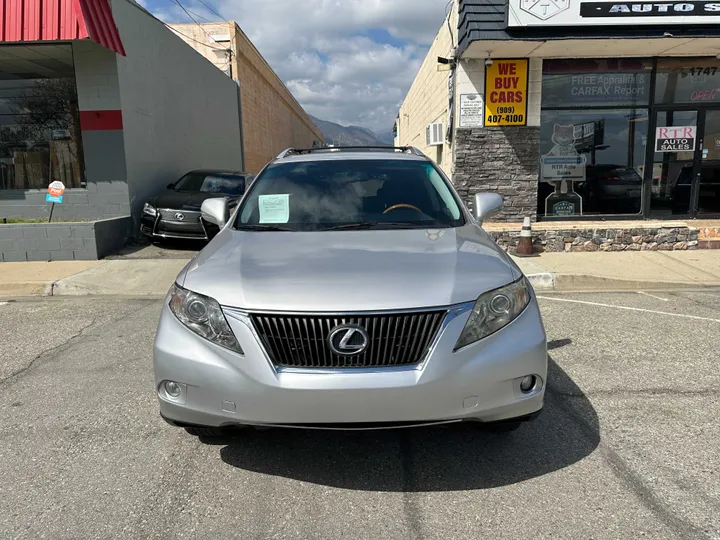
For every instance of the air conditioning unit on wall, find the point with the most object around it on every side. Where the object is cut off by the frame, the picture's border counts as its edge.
(434, 134)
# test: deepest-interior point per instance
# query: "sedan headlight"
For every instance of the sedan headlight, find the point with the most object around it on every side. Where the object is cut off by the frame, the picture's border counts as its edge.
(203, 315)
(150, 210)
(494, 310)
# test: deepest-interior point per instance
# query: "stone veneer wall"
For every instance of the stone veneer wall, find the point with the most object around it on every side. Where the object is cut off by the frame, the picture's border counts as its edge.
(504, 160)
(650, 239)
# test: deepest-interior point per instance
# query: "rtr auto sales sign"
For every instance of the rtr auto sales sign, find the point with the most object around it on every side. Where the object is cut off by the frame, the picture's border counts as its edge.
(610, 13)
(506, 85)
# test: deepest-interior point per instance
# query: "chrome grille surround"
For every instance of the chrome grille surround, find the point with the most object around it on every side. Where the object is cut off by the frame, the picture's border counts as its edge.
(397, 339)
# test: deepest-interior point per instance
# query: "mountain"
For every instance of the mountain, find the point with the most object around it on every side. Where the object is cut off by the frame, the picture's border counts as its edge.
(351, 135)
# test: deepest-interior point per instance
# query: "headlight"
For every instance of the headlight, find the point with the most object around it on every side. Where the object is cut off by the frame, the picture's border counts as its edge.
(203, 315)
(149, 210)
(494, 310)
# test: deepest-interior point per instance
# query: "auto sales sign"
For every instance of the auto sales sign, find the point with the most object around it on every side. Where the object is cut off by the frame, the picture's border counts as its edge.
(610, 13)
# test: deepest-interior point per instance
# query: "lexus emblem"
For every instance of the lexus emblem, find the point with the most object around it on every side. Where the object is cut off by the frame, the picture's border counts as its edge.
(179, 216)
(348, 340)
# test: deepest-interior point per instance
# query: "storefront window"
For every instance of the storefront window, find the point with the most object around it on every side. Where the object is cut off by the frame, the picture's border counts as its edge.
(613, 82)
(593, 136)
(688, 81)
(39, 120)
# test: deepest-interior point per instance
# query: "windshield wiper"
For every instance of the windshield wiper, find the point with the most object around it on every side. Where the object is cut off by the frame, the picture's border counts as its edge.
(260, 227)
(377, 224)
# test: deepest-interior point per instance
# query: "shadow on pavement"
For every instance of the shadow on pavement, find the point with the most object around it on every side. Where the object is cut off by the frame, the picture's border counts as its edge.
(165, 249)
(457, 457)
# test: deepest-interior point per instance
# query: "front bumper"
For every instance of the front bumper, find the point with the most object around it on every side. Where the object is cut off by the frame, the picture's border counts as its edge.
(155, 227)
(478, 382)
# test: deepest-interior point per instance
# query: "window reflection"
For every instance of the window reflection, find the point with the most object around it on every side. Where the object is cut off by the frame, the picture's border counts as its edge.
(39, 120)
(688, 81)
(610, 145)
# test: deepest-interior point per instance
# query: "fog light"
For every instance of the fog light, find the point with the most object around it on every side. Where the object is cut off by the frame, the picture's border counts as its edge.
(173, 389)
(528, 383)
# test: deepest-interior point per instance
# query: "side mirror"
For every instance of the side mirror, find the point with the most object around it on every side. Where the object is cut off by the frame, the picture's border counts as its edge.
(171, 185)
(215, 211)
(486, 205)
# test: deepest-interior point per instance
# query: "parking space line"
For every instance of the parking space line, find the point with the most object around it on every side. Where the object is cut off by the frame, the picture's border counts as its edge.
(599, 304)
(653, 296)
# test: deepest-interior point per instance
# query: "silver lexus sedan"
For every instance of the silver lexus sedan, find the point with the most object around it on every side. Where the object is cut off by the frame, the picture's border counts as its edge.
(350, 289)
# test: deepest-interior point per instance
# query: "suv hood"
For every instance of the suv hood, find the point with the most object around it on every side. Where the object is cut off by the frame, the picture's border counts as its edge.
(340, 271)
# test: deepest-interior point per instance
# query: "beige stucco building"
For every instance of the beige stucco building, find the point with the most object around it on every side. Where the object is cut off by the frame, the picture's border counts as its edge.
(427, 101)
(272, 119)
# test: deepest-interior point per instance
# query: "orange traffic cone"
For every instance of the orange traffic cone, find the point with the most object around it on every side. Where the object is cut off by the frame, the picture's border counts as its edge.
(525, 245)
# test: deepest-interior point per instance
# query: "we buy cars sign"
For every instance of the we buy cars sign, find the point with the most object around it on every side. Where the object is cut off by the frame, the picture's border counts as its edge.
(506, 83)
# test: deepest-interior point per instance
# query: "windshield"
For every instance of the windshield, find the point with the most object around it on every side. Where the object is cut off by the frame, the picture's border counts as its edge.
(204, 182)
(344, 194)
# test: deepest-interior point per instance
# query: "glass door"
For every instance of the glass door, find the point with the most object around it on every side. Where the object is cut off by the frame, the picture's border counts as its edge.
(676, 149)
(709, 173)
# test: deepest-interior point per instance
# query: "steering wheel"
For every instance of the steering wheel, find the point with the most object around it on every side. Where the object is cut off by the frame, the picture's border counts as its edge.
(397, 206)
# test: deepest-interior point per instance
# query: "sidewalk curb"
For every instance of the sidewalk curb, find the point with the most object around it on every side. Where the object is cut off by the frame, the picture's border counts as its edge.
(29, 288)
(78, 285)
(544, 281)
(549, 281)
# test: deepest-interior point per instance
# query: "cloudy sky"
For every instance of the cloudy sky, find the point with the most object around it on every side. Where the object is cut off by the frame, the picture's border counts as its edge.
(346, 61)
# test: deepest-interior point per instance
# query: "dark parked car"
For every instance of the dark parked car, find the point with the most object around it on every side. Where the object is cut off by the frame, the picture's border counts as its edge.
(175, 213)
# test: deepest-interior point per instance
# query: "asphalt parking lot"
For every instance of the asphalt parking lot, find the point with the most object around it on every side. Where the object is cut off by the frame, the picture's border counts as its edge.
(627, 446)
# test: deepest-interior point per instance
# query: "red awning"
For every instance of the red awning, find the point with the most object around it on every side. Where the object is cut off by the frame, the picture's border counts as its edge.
(59, 20)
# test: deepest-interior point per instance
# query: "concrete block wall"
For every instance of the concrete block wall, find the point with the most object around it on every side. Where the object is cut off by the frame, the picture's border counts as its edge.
(428, 99)
(272, 119)
(62, 241)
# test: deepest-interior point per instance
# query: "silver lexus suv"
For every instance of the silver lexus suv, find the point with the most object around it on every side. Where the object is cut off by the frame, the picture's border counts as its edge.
(350, 289)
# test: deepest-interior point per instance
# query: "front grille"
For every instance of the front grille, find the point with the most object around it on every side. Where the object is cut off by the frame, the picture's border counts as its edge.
(189, 216)
(397, 339)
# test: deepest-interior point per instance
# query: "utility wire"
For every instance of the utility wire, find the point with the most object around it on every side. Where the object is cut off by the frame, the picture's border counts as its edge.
(447, 17)
(200, 16)
(212, 10)
(197, 41)
(193, 20)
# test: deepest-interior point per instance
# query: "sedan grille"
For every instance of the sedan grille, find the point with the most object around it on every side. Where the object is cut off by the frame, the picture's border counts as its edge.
(397, 339)
(186, 216)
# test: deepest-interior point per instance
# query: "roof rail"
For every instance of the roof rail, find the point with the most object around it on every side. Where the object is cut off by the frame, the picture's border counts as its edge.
(325, 149)
(286, 153)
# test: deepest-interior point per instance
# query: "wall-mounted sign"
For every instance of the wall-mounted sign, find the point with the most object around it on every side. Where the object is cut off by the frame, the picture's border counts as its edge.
(471, 110)
(610, 13)
(569, 169)
(506, 85)
(675, 139)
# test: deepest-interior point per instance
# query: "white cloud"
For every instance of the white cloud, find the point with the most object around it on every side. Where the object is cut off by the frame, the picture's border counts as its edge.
(347, 61)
